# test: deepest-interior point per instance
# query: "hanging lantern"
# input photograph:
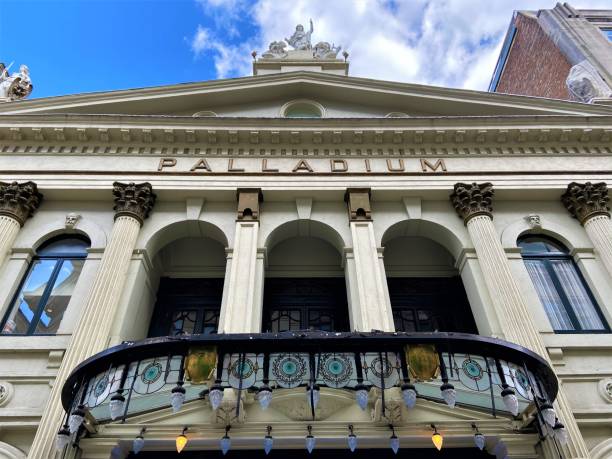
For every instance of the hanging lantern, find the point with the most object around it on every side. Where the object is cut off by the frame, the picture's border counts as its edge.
(177, 397)
(436, 438)
(62, 438)
(548, 414)
(181, 441)
(264, 396)
(268, 441)
(310, 440)
(479, 439)
(76, 419)
(313, 393)
(423, 361)
(361, 396)
(409, 394)
(449, 394)
(560, 433)
(200, 364)
(226, 442)
(394, 442)
(510, 400)
(139, 442)
(352, 439)
(216, 396)
(117, 405)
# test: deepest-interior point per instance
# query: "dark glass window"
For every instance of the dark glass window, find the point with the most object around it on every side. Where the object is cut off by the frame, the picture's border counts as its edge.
(305, 304)
(568, 302)
(42, 298)
(427, 304)
(187, 307)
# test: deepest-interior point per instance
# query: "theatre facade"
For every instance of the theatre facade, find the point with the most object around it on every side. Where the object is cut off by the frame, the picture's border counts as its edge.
(305, 263)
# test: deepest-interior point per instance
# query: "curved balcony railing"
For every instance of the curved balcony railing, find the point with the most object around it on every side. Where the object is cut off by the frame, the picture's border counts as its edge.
(470, 370)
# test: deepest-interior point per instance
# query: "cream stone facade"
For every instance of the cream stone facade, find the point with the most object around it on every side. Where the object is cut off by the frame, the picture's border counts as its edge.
(253, 195)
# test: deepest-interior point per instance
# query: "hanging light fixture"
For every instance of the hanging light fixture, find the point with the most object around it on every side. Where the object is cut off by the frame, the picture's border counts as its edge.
(216, 396)
(394, 443)
(117, 405)
(139, 441)
(177, 397)
(436, 438)
(510, 400)
(264, 396)
(310, 440)
(560, 433)
(226, 442)
(409, 394)
(352, 439)
(479, 439)
(361, 396)
(181, 441)
(548, 414)
(313, 393)
(76, 419)
(268, 440)
(62, 438)
(449, 394)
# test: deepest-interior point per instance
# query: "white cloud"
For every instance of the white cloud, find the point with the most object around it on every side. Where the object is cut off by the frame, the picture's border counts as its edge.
(439, 42)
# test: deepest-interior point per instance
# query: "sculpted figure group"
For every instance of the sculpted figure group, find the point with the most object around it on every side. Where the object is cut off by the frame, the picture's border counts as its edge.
(301, 41)
(15, 86)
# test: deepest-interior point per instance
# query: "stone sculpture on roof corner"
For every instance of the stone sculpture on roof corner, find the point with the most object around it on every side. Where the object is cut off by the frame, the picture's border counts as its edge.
(300, 41)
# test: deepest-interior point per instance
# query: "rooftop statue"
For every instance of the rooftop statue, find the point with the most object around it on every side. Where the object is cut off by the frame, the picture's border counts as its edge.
(276, 50)
(16, 86)
(301, 40)
(323, 50)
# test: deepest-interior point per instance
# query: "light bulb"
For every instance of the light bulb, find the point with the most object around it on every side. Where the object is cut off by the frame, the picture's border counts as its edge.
(76, 419)
(264, 397)
(409, 394)
(437, 440)
(352, 442)
(310, 443)
(510, 401)
(394, 443)
(181, 442)
(63, 438)
(561, 433)
(549, 415)
(138, 444)
(479, 440)
(268, 443)
(225, 444)
(177, 397)
(313, 396)
(361, 396)
(215, 396)
(449, 394)
(116, 406)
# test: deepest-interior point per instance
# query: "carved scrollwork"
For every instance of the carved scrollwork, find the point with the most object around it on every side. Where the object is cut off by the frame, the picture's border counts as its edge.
(586, 200)
(19, 200)
(134, 200)
(472, 199)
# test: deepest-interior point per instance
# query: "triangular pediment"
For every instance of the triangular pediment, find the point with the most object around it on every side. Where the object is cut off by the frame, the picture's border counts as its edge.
(264, 96)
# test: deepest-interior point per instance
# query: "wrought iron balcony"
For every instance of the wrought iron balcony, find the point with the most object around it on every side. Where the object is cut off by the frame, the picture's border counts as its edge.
(470, 370)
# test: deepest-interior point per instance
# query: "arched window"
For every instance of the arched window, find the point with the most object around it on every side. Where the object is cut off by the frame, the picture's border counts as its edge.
(568, 302)
(42, 298)
(302, 109)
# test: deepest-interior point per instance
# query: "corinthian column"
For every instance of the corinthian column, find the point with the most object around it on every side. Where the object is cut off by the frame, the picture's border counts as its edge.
(588, 202)
(18, 202)
(473, 203)
(370, 305)
(133, 202)
(243, 289)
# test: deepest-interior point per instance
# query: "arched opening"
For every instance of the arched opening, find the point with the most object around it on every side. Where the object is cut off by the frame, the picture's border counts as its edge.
(191, 270)
(304, 285)
(425, 289)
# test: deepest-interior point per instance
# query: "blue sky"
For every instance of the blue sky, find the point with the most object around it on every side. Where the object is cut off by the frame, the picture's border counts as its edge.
(75, 46)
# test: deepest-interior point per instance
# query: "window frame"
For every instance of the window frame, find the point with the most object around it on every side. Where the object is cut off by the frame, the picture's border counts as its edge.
(562, 254)
(60, 258)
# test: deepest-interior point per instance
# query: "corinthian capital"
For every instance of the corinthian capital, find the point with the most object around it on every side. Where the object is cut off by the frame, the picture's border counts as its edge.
(134, 200)
(19, 200)
(586, 200)
(472, 199)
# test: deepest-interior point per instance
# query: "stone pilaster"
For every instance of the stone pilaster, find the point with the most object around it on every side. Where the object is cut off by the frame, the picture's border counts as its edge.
(588, 202)
(243, 290)
(370, 305)
(18, 202)
(132, 204)
(473, 203)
